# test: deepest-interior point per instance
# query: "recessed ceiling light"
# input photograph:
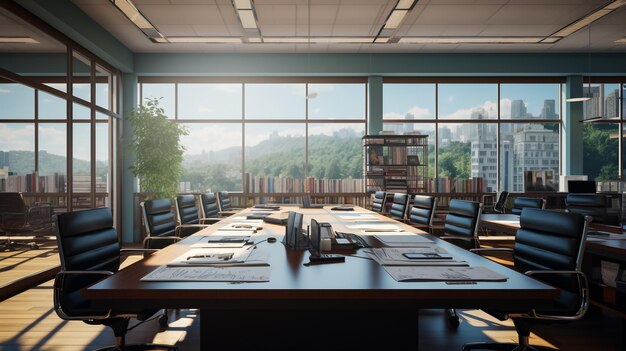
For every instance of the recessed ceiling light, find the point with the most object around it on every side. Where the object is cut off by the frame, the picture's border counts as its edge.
(405, 4)
(620, 41)
(395, 18)
(208, 40)
(18, 40)
(138, 19)
(470, 40)
(588, 19)
(305, 40)
(381, 40)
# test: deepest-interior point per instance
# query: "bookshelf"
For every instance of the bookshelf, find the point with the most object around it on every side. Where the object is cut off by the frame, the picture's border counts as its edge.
(395, 163)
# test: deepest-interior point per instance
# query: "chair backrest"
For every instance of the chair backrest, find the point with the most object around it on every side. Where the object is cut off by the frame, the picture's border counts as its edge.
(158, 218)
(13, 211)
(223, 199)
(423, 210)
(87, 241)
(399, 206)
(209, 206)
(552, 240)
(379, 201)
(462, 221)
(521, 203)
(500, 204)
(594, 205)
(187, 212)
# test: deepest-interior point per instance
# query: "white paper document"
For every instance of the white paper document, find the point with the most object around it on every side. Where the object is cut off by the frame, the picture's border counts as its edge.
(245, 256)
(394, 239)
(443, 274)
(376, 227)
(210, 274)
(244, 226)
(422, 256)
(605, 236)
(222, 240)
(358, 217)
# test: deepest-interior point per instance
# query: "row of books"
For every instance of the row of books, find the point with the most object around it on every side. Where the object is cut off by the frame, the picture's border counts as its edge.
(457, 185)
(33, 183)
(270, 184)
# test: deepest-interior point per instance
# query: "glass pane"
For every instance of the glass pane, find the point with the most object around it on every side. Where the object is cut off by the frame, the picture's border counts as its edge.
(101, 116)
(457, 171)
(17, 101)
(275, 158)
(528, 101)
(468, 101)
(81, 111)
(81, 76)
(209, 101)
(275, 101)
(17, 157)
(600, 151)
(604, 100)
(165, 93)
(336, 157)
(102, 165)
(212, 159)
(51, 107)
(423, 129)
(529, 157)
(408, 101)
(52, 157)
(337, 101)
(81, 165)
(103, 87)
(623, 104)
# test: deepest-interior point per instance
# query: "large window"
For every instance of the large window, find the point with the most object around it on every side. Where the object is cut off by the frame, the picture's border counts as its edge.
(268, 137)
(485, 137)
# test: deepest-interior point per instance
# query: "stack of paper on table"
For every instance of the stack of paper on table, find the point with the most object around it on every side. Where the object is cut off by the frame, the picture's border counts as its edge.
(228, 240)
(359, 216)
(221, 257)
(393, 239)
(444, 274)
(210, 274)
(388, 256)
(243, 226)
(376, 227)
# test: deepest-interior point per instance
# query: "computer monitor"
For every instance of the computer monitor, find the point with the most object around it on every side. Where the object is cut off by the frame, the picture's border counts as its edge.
(293, 231)
(581, 186)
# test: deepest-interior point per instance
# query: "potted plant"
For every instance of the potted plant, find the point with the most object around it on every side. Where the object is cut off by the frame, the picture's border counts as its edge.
(157, 149)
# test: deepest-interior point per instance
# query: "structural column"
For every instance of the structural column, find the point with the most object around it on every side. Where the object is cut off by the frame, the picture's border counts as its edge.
(572, 132)
(129, 183)
(375, 105)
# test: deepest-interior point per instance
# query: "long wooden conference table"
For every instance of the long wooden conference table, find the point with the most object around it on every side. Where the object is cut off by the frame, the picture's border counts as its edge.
(356, 303)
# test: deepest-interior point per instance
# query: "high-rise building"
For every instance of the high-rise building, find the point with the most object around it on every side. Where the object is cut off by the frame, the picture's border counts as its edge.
(518, 109)
(534, 148)
(593, 107)
(611, 104)
(548, 111)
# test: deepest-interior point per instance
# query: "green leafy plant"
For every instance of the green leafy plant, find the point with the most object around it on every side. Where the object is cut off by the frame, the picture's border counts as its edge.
(157, 149)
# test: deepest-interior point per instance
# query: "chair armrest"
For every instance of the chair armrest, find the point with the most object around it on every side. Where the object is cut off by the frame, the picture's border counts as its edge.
(148, 239)
(583, 286)
(456, 237)
(58, 290)
(211, 220)
(183, 226)
(229, 212)
(138, 250)
(494, 249)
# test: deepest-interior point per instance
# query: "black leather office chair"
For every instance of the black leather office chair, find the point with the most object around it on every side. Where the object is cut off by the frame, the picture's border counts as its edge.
(188, 219)
(209, 207)
(423, 211)
(223, 200)
(399, 206)
(160, 223)
(521, 203)
(499, 206)
(549, 247)
(90, 251)
(593, 205)
(379, 202)
(461, 228)
(18, 218)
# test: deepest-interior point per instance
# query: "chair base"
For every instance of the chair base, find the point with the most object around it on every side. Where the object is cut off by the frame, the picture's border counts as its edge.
(503, 347)
(452, 318)
(139, 347)
(15, 245)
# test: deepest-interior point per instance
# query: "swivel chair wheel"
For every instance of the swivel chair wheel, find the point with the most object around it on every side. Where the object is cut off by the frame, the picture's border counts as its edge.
(163, 321)
(452, 318)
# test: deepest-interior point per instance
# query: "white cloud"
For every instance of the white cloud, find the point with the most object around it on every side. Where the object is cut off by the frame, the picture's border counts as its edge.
(330, 128)
(52, 140)
(21, 138)
(450, 98)
(490, 107)
(228, 88)
(213, 137)
(415, 111)
(505, 108)
(321, 88)
(204, 109)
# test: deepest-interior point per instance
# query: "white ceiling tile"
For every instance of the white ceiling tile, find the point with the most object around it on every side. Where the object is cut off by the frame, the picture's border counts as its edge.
(354, 30)
(456, 14)
(519, 30)
(213, 30)
(362, 14)
(538, 14)
(188, 14)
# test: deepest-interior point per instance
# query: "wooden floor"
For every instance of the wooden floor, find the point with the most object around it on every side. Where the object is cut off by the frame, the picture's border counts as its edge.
(20, 263)
(28, 322)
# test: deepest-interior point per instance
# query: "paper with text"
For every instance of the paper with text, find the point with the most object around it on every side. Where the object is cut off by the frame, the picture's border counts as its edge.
(210, 274)
(443, 274)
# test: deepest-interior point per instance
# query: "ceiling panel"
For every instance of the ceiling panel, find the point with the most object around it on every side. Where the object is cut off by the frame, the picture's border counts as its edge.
(364, 18)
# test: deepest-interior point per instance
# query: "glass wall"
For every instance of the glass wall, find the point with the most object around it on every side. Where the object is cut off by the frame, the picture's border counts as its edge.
(484, 137)
(267, 137)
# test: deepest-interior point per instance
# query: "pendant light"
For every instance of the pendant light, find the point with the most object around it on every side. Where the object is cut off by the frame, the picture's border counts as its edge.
(310, 95)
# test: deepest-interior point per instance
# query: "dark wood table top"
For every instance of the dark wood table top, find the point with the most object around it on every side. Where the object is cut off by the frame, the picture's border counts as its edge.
(358, 280)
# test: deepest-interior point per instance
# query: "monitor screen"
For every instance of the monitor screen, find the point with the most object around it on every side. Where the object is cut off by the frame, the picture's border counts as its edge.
(315, 238)
(581, 186)
(293, 231)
